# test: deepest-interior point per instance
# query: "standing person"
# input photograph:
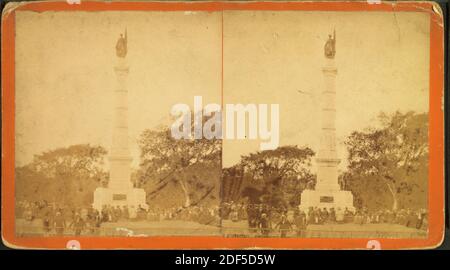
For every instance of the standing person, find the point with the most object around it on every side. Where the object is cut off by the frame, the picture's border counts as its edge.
(46, 222)
(284, 226)
(347, 216)
(117, 213)
(242, 213)
(59, 224)
(420, 218)
(317, 215)
(28, 213)
(250, 218)
(310, 216)
(97, 222)
(324, 215)
(423, 225)
(78, 224)
(332, 215)
(264, 225)
(411, 218)
(104, 214)
(340, 215)
(234, 215)
(253, 224)
(300, 223)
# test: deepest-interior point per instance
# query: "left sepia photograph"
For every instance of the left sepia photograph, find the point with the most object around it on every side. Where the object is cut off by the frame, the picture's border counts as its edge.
(94, 153)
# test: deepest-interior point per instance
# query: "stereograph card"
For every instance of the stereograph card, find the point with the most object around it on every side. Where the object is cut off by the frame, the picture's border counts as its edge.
(211, 125)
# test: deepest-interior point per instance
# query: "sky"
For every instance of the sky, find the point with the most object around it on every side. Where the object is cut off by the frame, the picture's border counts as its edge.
(65, 71)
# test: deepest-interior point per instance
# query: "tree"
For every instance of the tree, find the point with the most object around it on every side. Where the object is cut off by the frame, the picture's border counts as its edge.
(280, 172)
(232, 179)
(184, 162)
(389, 159)
(65, 175)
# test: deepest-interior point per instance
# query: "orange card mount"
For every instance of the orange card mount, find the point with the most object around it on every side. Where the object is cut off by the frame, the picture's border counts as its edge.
(34, 122)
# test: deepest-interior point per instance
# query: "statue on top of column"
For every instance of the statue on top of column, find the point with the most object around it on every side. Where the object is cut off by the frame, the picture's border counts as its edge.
(121, 46)
(330, 46)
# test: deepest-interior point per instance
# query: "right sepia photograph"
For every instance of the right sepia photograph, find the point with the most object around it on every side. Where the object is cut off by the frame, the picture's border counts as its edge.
(351, 156)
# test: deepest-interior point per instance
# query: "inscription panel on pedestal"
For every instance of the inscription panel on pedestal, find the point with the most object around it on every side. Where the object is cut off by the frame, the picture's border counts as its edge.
(326, 199)
(119, 197)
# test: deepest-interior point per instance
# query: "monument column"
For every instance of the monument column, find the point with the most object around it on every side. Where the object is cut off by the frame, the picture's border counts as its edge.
(120, 159)
(327, 192)
(120, 190)
(327, 161)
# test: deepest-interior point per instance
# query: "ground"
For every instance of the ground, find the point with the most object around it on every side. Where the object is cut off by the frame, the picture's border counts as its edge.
(349, 230)
(134, 228)
(230, 229)
(158, 228)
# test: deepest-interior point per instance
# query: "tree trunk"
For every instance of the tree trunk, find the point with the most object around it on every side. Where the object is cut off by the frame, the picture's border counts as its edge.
(187, 199)
(394, 197)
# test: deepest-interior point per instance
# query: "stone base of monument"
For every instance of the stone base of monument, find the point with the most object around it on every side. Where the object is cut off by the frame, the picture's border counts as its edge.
(133, 198)
(337, 199)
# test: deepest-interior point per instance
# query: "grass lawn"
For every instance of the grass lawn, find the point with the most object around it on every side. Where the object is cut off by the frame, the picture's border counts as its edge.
(348, 230)
(230, 228)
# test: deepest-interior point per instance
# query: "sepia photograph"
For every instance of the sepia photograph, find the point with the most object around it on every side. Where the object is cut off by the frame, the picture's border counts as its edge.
(94, 149)
(352, 159)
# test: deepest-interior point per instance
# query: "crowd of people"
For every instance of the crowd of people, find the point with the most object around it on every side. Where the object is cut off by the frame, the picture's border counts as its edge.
(406, 217)
(61, 219)
(261, 219)
(200, 214)
(264, 219)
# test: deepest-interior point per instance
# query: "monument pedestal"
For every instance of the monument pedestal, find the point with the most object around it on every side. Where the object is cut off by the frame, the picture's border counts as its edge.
(337, 199)
(132, 198)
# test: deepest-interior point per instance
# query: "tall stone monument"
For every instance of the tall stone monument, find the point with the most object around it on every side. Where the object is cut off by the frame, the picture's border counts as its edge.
(327, 192)
(120, 190)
